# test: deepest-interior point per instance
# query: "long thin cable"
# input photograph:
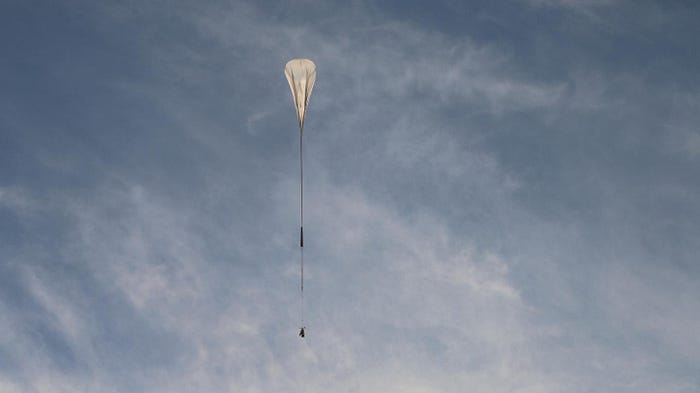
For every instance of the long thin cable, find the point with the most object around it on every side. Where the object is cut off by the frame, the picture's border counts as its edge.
(301, 232)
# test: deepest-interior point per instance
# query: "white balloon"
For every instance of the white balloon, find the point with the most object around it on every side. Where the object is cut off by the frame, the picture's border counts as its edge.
(301, 75)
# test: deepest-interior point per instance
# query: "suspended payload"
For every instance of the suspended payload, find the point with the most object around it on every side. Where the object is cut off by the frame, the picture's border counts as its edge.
(301, 75)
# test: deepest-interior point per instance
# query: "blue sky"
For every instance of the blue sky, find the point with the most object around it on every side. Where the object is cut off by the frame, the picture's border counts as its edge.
(500, 197)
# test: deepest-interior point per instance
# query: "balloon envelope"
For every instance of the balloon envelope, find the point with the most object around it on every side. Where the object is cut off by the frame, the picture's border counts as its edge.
(301, 75)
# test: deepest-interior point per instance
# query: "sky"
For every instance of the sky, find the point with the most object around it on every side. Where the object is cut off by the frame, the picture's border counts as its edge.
(499, 196)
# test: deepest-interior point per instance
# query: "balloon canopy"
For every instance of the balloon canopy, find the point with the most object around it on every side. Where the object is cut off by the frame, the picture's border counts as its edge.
(301, 75)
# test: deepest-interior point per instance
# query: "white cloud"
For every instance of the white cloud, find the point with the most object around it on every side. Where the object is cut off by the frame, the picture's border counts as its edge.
(16, 199)
(151, 256)
(574, 4)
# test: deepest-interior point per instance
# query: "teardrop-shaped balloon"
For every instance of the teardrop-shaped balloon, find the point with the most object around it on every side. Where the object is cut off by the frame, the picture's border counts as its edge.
(301, 75)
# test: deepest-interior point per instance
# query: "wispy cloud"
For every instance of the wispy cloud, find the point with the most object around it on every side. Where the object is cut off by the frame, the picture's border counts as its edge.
(472, 224)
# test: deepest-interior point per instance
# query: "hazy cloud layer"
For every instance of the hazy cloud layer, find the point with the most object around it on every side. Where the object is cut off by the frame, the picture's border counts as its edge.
(499, 199)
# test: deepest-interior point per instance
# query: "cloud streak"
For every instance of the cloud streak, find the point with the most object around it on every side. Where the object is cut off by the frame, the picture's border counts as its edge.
(472, 224)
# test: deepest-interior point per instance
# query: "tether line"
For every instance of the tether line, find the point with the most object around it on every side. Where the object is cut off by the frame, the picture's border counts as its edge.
(301, 232)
